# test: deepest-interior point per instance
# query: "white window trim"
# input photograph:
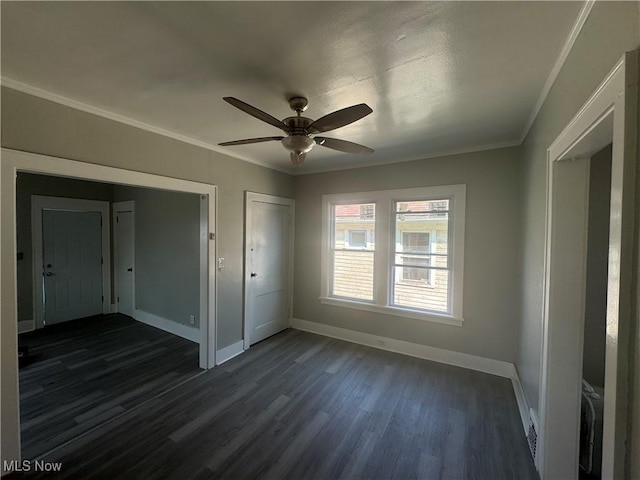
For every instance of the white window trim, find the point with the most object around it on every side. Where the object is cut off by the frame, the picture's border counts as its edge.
(383, 252)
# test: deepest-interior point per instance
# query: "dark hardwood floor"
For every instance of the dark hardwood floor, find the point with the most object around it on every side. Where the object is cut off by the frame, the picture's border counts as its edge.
(302, 406)
(82, 373)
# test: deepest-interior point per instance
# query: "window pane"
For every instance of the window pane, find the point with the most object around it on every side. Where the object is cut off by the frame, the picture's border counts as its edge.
(354, 245)
(441, 243)
(422, 233)
(416, 274)
(353, 274)
(427, 293)
(354, 223)
(421, 237)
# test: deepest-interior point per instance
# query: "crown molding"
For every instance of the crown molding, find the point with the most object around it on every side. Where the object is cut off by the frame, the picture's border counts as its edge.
(69, 102)
(78, 105)
(555, 71)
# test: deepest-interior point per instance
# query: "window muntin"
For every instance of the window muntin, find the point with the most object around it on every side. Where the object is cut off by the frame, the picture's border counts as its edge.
(408, 258)
(353, 251)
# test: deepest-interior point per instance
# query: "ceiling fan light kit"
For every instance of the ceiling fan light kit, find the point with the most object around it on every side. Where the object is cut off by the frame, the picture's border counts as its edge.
(301, 131)
(298, 143)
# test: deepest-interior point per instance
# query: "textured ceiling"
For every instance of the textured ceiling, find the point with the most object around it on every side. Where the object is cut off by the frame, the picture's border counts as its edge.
(440, 77)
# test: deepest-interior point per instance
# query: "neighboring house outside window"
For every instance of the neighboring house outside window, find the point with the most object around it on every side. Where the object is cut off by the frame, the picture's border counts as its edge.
(396, 251)
(421, 228)
(357, 239)
(416, 242)
(353, 250)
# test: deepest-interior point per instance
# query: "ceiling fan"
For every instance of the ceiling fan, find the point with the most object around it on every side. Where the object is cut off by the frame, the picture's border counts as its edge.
(302, 132)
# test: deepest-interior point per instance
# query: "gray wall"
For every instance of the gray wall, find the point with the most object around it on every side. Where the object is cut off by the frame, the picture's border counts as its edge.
(611, 29)
(595, 319)
(35, 125)
(167, 252)
(492, 237)
(29, 184)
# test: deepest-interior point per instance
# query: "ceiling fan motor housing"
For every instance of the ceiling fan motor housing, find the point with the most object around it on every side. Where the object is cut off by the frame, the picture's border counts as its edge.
(299, 140)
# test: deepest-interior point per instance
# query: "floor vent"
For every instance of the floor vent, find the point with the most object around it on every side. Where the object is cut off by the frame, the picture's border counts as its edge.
(532, 438)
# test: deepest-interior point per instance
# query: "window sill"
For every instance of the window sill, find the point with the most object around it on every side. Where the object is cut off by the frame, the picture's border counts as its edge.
(394, 311)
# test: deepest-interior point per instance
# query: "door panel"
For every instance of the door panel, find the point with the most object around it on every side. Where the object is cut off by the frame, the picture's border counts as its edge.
(124, 262)
(72, 257)
(268, 270)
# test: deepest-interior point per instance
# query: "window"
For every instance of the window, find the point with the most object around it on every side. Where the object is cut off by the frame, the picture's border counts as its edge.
(420, 266)
(398, 252)
(357, 238)
(351, 255)
(415, 246)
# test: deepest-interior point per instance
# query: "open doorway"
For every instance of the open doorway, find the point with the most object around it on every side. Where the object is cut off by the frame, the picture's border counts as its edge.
(595, 316)
(92, 356)
(14, 162)
(608, 118)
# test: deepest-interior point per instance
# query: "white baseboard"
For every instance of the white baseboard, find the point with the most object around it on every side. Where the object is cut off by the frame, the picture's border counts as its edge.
(170, 326)
(440, 355)
(230, 351)
(521, 399)
(26, 326)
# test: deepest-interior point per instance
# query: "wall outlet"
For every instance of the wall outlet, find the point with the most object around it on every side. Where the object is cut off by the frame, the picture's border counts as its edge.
(221, 264)
(192, 319)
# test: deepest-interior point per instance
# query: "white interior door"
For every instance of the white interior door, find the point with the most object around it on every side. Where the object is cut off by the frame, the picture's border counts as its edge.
(268, 273)
(72, 261)
(124, 259)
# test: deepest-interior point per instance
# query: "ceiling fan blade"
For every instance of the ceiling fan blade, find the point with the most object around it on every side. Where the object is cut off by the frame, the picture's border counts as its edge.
(340, 118)
(343, 145)
(255, 112)
(249, 140)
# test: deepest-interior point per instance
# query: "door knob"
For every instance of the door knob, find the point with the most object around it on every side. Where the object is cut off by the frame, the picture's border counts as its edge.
(253, 274)
(130, 269)
(49, 274)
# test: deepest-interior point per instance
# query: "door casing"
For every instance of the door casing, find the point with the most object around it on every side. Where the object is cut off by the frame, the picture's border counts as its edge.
(610, 116)
(14, 161)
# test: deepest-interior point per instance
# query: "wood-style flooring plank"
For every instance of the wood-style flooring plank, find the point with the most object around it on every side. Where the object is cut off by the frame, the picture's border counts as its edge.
(301, 406)
(85, 372)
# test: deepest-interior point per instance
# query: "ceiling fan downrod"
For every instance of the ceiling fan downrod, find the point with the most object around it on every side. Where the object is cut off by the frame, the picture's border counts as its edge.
(299, 142)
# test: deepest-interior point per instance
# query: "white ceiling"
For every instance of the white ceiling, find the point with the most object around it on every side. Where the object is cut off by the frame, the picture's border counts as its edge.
(440, 77)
